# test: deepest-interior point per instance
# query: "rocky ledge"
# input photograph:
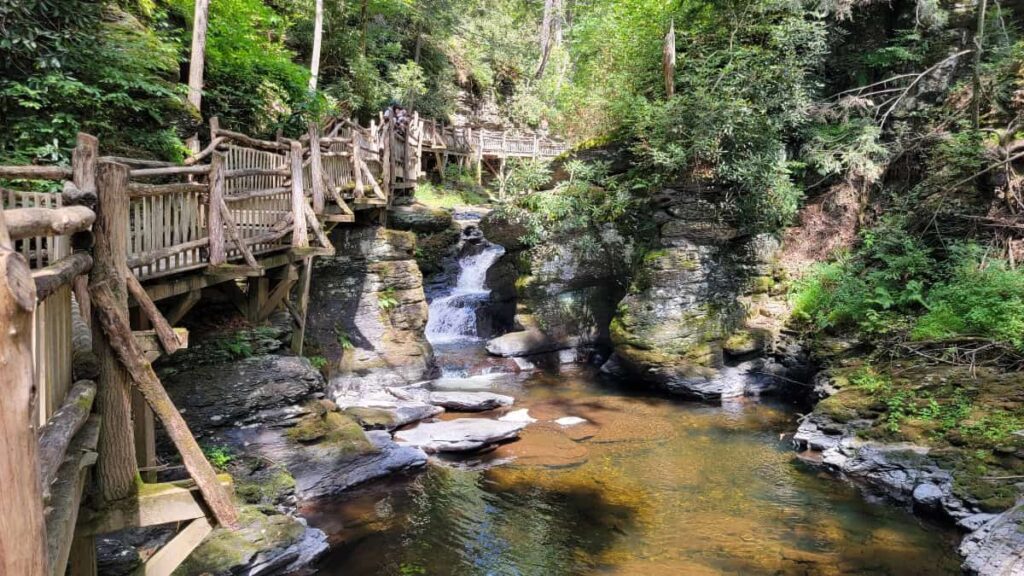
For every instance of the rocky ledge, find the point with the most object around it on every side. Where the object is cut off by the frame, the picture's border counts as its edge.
(908, 474)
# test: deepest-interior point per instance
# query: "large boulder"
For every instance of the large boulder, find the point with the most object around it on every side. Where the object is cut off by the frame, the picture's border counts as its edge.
(239, 392)
(368, 311)
(684, 305)
(527, 343)
(470, 401)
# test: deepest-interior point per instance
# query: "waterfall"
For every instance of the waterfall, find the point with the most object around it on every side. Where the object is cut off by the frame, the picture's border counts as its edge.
(453, 316)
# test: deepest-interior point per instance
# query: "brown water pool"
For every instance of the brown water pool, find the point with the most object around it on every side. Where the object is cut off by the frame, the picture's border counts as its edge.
(649, 486)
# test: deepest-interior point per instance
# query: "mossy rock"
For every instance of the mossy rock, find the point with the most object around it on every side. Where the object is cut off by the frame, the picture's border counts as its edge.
(847, 405)
(225, 551)
(745, 341)
(371, 418)
(265, 488)
(341, 431)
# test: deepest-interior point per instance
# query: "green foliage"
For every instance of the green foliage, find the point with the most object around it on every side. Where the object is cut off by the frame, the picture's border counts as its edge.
(386, 300)
(219, 456)
(983, 298)
(236, 346)
(584, 202)
(873, 288)
(343, 338)
(114, 78)
(445, 196)
(318, 362)
(850, 148)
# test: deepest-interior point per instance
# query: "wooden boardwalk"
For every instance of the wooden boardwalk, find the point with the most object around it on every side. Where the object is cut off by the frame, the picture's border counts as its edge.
(243, 215)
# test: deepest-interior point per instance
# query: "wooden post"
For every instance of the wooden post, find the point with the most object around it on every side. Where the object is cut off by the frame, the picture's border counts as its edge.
(115, 470)
(299, 333)
(300, 234)
(197, 58)
(83, 163)
(256, 295)
(22, 528)
(536, 146)
(318, 27)
(316, 169)
(214, 217)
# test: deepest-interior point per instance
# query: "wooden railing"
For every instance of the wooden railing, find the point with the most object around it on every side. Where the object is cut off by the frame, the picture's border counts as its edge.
(468, 141)
(44, 228)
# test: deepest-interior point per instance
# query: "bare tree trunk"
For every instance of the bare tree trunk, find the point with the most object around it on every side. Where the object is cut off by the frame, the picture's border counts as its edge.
(668, 60)
(318, 32)
(979, 41)
(197, 61)
(545, 36)
(198, 58)
(22, 531)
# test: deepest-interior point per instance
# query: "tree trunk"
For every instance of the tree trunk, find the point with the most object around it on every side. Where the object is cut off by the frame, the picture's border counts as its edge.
(318, 30)
(198, 58)
(115, 469)
(979, 43)
(668, 60)
(545, 37)
(364, 18)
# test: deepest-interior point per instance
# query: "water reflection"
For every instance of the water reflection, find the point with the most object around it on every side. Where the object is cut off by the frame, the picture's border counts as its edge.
(648, 486)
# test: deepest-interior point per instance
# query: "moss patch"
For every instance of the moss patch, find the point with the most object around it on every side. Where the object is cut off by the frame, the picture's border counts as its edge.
(340, 431)
(371, 418)
(970, 420)
(225, 549)
(267, 488)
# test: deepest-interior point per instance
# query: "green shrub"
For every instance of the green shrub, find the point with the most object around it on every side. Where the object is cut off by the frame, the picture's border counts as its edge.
(873, 289)
(984, 299)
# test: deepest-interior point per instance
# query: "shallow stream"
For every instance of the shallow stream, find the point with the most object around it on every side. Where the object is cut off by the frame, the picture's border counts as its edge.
(649, 486)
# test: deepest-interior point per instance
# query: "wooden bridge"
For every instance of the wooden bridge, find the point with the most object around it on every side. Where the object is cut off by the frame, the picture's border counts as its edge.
(93, 279)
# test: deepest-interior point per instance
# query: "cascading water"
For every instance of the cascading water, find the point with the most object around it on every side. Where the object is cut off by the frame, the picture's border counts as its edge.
(453, 316)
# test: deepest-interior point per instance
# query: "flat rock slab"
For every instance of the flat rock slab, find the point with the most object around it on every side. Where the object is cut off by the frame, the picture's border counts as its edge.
(470, 401)
(521, 415)
(526, 343)
(460, 435)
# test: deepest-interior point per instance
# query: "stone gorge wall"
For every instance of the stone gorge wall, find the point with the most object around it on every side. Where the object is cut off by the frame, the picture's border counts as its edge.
(368, 311)
(682, 325)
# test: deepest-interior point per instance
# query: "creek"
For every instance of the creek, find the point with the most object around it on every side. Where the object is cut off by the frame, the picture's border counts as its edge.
(645, 484)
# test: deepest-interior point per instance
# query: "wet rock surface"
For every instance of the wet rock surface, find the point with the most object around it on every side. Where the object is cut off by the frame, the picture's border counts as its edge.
(460, 435)
(470, 401)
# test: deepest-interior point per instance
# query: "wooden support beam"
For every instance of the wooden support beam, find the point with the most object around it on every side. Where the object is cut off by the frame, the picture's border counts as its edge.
(255, 297)
(214, 216)
(235, 270)
(116, 469)
(32, 222)
(158, 504)
(232, 228)
(316, 170)
(168, 339)
(318, 231)
(66, 496)
(150, 345)
(300, 235)
(61, 272)
(115, 326)
(145, 428)
(302, 304)
(170, 171)
(183, 306)
(280, 292)
(60, 429)
(22, 531)
(168, 558)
